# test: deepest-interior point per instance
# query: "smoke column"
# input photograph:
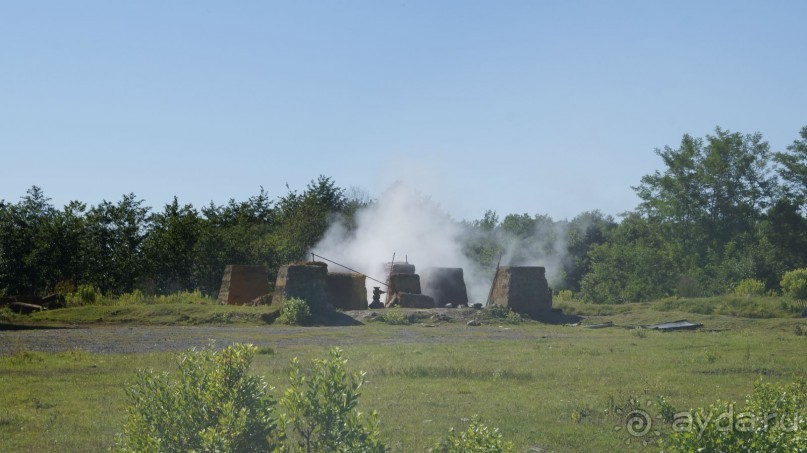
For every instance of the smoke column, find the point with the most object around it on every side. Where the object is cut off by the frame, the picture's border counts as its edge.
(408, 223)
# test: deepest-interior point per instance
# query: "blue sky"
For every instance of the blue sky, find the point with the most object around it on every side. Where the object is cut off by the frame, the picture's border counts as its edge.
(537, 107)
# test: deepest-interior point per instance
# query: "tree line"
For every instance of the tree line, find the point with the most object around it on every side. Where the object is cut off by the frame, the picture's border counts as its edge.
(121, 246)
(724, 208)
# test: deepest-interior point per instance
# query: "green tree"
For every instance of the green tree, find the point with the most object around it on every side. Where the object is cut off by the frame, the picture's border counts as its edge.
(785, 229)
(305, 217)
(170, 247)
(637, 263)
(63, 238)
(480, 243)
(710, 202)
(113, 243)
(25, 245)
(583, 232)
(710, 191)
(793, 167)
(236, 233)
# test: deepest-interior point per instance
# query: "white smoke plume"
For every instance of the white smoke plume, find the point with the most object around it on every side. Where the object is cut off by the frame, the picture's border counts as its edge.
(415, 228)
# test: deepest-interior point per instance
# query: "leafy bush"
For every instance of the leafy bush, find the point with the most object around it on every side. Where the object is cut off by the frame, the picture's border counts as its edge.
(794, 284)
(84, 295)
(498, 311)
(64, 287)
(294, 312)
(136, 297)
(208, 404)
(504, 314)
(750, 287)
(666, 410)
(513, 318)
(773, 419)
(564, 295)
(687, 286)
(395, 316)
(184, 297)
(6, 314)
(321, 409)
(478, 438)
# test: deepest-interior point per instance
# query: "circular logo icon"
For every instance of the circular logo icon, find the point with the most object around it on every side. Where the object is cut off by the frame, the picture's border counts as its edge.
(638, 423)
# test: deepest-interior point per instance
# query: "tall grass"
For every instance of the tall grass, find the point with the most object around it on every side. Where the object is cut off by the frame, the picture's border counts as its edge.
(759, 307)
(87, 295)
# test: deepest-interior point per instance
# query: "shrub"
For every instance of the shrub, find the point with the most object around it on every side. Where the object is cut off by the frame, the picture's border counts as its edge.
(504, 313)
(666, 410)
(134, 298)
(395, 316)
(84, 295)
(750, 287)
(794, 284)
(687, 286)
(6, 314)
(64, 287)
(184, 297)
(320, 409)
(294, 312)
(208, 404)
(773, 419)
(478, 438)
(564, 295)
(498, 311)
(513, 318)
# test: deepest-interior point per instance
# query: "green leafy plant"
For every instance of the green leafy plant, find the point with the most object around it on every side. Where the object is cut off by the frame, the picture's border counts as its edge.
(504, 314)
(395, 316)
(294, 312)
(477, 438)
(666, 410)
(750, 287)
(208, 404)
(84, 295)
(321, 409)
(6, 314)
(773, 419)
(133, 298)
(184, 297)
(564, 295)
(794, 284)
(513, 318)
(711, 356)
(498, 311)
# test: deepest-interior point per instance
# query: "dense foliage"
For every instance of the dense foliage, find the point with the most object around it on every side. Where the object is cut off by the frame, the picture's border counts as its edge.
(321, 411)
(723, 214)
(295, 312)
(209, 404)
(477, 438)
(123, 246)
(772, 420)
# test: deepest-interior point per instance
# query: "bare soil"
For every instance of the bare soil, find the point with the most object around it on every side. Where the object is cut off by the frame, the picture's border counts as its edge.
(429, 326)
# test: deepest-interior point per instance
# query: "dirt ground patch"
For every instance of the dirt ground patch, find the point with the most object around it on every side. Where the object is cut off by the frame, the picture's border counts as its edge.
(143, 339)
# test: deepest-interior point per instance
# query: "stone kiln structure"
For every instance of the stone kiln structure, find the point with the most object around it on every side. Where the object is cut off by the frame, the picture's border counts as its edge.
(446, 285)
(306, 280)
(242, 284)
(403, 288)
(523, 289)
(347, 290)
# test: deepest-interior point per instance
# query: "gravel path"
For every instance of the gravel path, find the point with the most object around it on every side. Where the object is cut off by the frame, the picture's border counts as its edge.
(141, 339)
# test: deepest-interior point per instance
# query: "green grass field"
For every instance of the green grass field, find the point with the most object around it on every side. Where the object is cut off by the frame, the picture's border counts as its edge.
(548, 388)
